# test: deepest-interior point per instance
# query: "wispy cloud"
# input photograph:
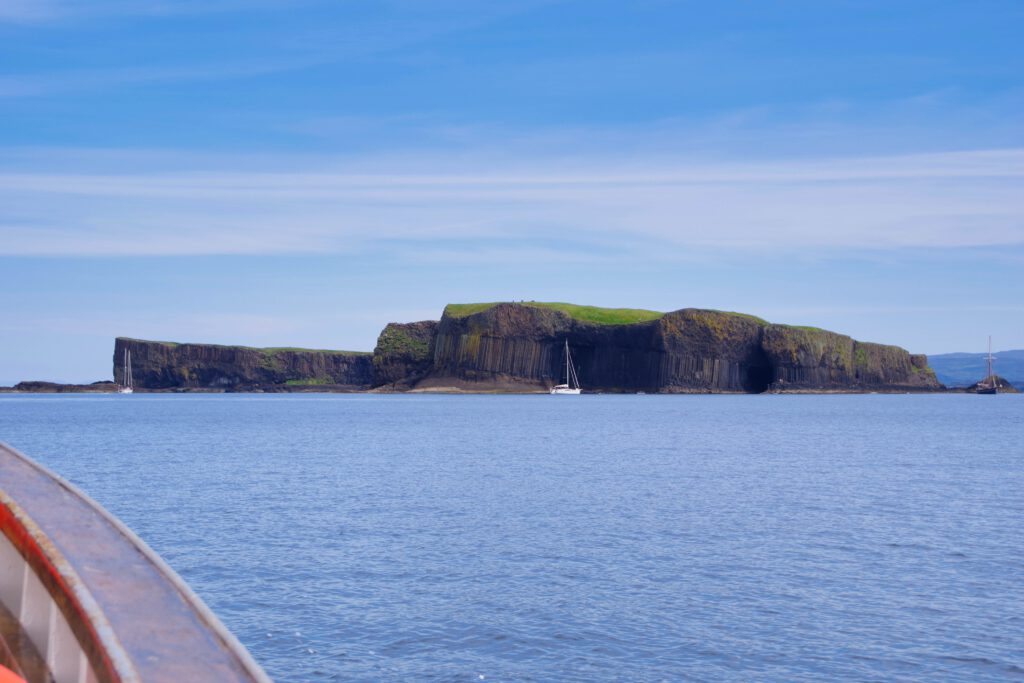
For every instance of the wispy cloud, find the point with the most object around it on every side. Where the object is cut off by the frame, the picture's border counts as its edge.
(256, 52)
(28, 11)
(955, 199)
(72, 81)
(40, 11)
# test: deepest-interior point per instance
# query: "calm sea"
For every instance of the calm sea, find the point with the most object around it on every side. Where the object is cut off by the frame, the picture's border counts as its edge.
(592, 538)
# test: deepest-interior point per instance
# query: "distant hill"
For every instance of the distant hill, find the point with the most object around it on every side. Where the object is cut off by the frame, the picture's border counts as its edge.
(964, 369)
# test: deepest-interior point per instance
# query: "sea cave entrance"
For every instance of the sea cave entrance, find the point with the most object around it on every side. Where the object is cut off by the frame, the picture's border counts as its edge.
(757, 376)
(757, 379)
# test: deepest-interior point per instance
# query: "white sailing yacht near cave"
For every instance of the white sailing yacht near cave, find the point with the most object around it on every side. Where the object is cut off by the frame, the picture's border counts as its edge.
(572, 382)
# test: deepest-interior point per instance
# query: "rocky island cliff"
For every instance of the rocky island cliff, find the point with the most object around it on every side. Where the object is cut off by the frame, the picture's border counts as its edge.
(519, 347)
(685, 351)
(169, 365)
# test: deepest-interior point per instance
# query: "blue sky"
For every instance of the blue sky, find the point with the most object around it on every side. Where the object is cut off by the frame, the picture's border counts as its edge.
(301, 173)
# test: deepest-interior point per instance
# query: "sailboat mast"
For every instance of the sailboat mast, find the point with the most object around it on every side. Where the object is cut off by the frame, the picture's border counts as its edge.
(991, 378)
(570, 370)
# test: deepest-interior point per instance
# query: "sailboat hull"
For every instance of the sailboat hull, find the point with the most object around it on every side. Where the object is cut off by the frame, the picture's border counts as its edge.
(572, 382)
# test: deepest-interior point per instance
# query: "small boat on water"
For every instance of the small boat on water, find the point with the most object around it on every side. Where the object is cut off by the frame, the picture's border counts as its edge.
(572, 382)
(126, 386)
(989, 385)
(84, 600)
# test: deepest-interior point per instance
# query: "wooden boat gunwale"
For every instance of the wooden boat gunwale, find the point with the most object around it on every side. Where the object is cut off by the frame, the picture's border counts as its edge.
(204, 650)
(83, 616)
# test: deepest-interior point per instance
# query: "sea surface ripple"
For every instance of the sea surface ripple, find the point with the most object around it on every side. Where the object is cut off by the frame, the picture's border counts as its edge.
(592, 538)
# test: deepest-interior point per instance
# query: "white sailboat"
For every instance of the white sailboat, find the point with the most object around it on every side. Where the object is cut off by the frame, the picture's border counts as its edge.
(572, 382)
(126, 378)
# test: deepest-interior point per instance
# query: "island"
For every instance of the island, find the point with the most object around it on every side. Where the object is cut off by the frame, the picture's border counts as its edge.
(519, 347)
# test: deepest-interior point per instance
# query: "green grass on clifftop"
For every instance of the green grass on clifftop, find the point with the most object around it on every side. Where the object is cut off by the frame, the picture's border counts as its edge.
(745, 316)
(265, 350)
(589, 314)
(395, 340)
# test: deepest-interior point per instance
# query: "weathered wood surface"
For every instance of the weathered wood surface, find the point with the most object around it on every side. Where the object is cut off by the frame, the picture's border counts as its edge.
(96, 602)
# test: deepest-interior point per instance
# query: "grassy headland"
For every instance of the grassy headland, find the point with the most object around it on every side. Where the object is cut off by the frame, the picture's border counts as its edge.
(265, 350)
(589, 314)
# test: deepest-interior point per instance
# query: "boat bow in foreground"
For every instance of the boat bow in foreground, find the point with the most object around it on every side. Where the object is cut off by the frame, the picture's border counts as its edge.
(84, 600)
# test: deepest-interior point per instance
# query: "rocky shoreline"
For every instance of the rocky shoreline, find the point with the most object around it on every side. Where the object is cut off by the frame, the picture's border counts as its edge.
(58, 388)
(37, 387)
(110, 388)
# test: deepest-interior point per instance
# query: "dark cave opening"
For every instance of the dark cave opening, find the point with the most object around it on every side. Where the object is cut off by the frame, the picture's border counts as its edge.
(758, 376)
(757, 379)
